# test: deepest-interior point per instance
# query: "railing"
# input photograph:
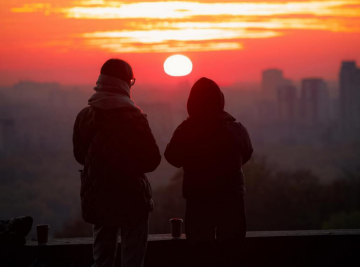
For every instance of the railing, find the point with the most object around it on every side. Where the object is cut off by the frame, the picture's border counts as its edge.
(282, 248)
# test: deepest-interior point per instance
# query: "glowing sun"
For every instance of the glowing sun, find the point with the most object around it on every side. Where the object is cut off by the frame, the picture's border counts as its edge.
(178, 65)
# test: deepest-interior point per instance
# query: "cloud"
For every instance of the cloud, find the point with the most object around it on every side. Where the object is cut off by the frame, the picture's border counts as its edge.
(187, 9)
(182, 39)
(117, 46)
(173, 25)
(189, 34)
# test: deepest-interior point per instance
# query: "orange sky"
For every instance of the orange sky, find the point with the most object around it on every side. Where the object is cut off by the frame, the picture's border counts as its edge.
(67, 41)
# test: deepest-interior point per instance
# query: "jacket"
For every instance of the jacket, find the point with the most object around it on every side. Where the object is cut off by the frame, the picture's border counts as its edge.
(211, 152)
(117, 148)
(210, 146)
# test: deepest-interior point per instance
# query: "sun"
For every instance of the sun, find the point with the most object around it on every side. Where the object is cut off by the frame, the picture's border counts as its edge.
(178, 65)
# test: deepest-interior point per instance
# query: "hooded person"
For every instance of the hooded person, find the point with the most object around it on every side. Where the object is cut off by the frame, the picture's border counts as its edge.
(212, 147)
(113, 141)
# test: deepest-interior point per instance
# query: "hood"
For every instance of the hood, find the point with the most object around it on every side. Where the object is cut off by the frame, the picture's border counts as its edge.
(205, 99)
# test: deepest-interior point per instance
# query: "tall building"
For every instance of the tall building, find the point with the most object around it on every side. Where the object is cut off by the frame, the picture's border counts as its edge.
(314, 101)
(271, 80)
(350, 95)
(7, 134)
(286, 96)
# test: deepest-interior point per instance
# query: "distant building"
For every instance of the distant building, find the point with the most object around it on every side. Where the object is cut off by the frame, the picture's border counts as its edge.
(266, 112)
(34, 92)
(286, 96)
(350, 95)
(314, 101)
(271, 80)
(7, 133)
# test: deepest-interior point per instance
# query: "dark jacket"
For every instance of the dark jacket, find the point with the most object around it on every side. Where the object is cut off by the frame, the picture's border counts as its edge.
(116, 147)
(211, 148)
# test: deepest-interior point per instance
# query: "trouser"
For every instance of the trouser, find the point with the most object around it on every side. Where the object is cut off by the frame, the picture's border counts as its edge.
(133, 244)
(215, 232)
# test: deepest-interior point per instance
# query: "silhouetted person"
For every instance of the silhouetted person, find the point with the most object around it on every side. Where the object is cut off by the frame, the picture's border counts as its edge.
(114, 142)
(212, 147)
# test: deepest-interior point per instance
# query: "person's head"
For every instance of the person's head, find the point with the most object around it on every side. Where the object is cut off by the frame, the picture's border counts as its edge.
(120, 69)
(205, 98)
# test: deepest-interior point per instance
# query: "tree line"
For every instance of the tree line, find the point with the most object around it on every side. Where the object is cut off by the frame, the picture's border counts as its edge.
(275, 200)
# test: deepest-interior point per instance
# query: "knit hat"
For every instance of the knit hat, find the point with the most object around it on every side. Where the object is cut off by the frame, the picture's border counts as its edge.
(117, 68)
(205, 98)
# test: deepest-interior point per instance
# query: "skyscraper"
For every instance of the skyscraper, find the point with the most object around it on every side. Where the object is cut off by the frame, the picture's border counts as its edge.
(350, 95)
(286, 95)
(271, 80)
(314, 101)
(7, 134)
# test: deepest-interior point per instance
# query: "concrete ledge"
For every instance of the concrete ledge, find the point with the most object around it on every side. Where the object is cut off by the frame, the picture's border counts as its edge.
(278, 248)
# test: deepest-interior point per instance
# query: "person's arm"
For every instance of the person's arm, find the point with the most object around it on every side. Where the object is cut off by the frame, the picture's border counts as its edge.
(176, 150)
(246, 146)
(78, 144)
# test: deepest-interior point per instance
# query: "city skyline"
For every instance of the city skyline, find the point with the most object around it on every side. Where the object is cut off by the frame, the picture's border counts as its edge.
(37, 119)
(191, 79)
(278, 98)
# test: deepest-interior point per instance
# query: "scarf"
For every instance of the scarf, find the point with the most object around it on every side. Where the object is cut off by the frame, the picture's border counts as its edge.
(111, 93)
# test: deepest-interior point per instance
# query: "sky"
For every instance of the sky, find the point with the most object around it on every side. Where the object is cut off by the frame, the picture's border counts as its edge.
(229, 41)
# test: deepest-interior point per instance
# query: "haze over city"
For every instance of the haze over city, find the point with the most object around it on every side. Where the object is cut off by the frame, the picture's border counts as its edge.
(289, 71)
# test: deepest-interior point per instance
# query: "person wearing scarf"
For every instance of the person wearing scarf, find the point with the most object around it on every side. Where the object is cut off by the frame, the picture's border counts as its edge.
(212, 147)
(113, 141)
